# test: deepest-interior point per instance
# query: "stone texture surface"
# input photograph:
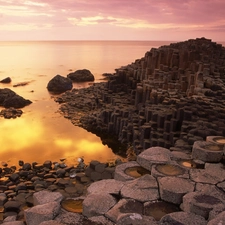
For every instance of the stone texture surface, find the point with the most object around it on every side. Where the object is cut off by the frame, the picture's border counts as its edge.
(154, 155)
(110, 186)
(172, 189)
(182, 218)
(43, 197)
(142, 189)
(41, 213)
(97, 204)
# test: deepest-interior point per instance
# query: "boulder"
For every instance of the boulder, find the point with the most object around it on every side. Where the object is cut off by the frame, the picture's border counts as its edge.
(9, 98)
(81, 76)
(59, 84)
(6, 80)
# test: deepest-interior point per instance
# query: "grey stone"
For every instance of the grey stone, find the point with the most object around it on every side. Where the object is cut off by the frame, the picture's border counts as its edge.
(207, 151)
(124, 206)
(43, 197)
(135, 219)
(172, 189)
(142, 189)
(153, 155)
(219, 220)
(212, 174)
(65, 217)
(110, 186)
(200, 203)
(98, 204)
(120, 171)
(41, 213)
(182, 218)
(51, 222)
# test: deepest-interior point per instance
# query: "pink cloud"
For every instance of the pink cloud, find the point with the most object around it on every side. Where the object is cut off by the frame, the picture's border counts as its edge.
(148, 16)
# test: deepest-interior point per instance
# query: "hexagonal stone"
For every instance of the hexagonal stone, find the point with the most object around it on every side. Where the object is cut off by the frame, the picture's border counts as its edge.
(153, 155)
(142, 189)
(172, 189)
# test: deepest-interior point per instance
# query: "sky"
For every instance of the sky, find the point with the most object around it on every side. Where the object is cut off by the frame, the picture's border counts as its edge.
(169, 20)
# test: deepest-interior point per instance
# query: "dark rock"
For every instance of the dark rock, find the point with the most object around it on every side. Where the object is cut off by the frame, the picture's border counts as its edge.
(6, 80)
(27, 166)
(9, 98)
(47, 164)
(81, 76)
(14, 177)
(12, 206)
(21, 162)
(59, 84)
(11, 113)
(60, 172)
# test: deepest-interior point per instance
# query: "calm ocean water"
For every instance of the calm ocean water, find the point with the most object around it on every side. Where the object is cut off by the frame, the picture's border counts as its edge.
(42, 133)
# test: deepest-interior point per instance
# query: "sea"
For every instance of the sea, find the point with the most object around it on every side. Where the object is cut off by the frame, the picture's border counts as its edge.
(42, 133)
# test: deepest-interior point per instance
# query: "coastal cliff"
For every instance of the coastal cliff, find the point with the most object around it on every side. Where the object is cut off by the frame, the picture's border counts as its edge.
(171, 97)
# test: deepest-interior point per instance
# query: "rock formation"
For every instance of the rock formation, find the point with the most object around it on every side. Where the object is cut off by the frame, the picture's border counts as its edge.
(59, 84)
(171, 97)
(81, 76)
(9, 98)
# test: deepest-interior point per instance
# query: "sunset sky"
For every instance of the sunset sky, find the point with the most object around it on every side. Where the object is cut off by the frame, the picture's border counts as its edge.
(171, 20)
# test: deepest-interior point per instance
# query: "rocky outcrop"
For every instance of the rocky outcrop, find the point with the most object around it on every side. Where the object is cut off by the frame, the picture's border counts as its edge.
(81, 76)
(163, 190)
(171, 97)
(6, 80)
(9, 98)
(59, 84)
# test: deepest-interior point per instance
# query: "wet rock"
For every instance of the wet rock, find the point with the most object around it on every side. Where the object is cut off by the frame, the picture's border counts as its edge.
(11, 113)
(6, 80)
(207, 151)
(14, 177)
(9, 99)
(27, 166)
(59, 84)
(120, 171)
(81, 76)
(124, 206)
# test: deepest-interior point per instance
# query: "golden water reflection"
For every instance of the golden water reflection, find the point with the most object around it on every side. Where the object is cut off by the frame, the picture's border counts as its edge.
(48, 136)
